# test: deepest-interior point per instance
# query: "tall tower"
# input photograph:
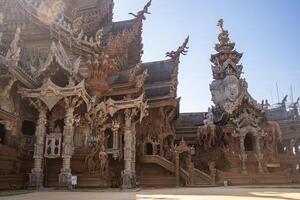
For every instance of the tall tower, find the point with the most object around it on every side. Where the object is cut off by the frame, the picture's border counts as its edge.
(227, 86)
(234, 106)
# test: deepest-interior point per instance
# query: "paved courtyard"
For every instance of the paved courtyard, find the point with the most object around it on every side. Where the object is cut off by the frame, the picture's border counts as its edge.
(230, 193)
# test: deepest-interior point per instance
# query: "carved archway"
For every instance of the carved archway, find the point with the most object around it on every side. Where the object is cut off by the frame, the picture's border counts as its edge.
(2, 133)
(149, 149)
(249, 142)
(28, 127)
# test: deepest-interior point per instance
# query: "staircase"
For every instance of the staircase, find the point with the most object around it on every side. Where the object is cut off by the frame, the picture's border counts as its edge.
(200, 178)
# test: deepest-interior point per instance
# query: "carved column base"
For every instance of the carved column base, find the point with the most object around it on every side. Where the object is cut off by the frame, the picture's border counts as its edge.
(260, 169)
(36, 178)
(244, 172)
(65, 178)
(244, 168)
(128, 180)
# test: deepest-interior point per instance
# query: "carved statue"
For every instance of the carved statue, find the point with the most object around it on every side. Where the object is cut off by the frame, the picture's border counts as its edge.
(77, 31)
(209, 118)
(101, 66)
(272, 128)
(183, 49)
(206, 135)
(99, 36)
(90, 160)
(103, 158)
(166, 118)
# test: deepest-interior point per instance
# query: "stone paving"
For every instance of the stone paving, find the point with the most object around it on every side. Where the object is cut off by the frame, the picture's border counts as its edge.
(224, 193)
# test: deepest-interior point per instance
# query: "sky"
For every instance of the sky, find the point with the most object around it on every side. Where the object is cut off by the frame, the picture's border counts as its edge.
(267, 32)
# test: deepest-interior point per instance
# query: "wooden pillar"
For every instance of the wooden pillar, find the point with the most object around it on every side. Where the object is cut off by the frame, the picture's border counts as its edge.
(177, 168)
(259, 155)
(133, 151)
(128, 175)
(191, 171)
(36, 177)
(243, 155)
(162, 151)
(115, 130)
(68, 147)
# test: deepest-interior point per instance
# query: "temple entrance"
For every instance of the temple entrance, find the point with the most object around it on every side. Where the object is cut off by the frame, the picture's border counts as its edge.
(149, 149)
(109, 139)
(2, 134)
(28, 128)
(248, 142)
(51, 172)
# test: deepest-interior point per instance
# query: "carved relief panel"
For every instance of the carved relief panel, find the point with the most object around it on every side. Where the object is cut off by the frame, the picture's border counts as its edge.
(53, 145)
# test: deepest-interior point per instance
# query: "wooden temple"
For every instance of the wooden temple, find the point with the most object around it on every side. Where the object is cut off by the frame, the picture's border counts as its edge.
(76, 100)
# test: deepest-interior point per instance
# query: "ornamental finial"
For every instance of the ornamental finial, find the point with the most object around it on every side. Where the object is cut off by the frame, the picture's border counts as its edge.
(141, 14)
(183, 49)
(221, 24)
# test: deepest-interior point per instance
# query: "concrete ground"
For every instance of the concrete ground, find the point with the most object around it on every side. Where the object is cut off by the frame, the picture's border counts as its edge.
(212, 193)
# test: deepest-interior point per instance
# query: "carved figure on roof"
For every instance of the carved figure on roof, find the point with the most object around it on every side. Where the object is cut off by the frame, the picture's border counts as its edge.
(101, 66)
(49, 10)
(77, 31)
(133, 71)
(284, 100)
(141, 14)
(183, 49)
(221, 24)
(293, 113)
(14, 50)
(99, 36)
(209, 117)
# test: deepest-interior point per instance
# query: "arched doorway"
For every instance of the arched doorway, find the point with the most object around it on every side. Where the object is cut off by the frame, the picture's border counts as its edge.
(248, 142)
(28, 128)
(109, 139)
(2, 134)
(149, 149)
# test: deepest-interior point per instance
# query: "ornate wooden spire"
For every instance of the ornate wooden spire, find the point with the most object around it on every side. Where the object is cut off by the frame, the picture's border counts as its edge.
(227, 59)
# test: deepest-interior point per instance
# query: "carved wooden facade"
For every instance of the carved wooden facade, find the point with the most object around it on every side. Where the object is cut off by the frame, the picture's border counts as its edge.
(77, 100)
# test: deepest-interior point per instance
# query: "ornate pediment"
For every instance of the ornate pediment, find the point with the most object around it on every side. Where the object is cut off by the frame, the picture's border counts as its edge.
(51, 94)
(58, 56)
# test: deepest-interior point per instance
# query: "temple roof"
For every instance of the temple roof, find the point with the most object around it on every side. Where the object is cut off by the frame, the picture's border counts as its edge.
(191, 119)
(122, 25)
(58, 54)
(159, 70)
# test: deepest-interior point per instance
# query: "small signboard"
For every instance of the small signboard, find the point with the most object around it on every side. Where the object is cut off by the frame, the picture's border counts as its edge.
(74, 180)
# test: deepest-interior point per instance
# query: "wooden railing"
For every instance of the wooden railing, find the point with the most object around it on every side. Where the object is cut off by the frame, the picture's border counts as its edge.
(165, 164)
(199, 176)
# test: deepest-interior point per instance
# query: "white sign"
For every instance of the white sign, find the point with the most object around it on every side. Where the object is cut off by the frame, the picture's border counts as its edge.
(74, 180)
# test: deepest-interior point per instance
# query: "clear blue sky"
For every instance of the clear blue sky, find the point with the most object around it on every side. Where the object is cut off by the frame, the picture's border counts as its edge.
(266, 31)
